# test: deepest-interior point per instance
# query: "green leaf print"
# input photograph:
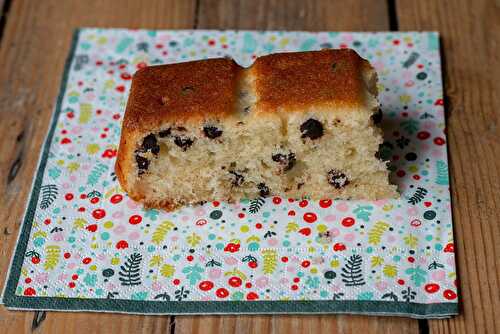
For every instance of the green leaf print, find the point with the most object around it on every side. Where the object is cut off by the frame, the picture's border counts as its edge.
(411, 126)
(363, 212)
(90, 279)
(442, 173)
(96, 173)
(193, 273)
(417, 275)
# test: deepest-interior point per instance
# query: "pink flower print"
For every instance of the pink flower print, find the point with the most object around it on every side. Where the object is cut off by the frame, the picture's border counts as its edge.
(118, 214)
(330, 218)
(62, 277)
(342, 207)
(214, 273)
(381, 286)
(231, 260)
(42, 278)
(120, 229)
(59, 236)
(262, 282)
(349, 237)
(272, 242)
(438, 275)
(72, 265)
(134, 235)
(156, 286)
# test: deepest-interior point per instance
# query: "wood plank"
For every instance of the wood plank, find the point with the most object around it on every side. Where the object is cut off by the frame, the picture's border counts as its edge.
(471, 45)
(35, 44)
(293, 15)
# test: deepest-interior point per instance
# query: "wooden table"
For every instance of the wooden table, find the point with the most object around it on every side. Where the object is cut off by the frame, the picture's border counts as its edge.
(35, 38)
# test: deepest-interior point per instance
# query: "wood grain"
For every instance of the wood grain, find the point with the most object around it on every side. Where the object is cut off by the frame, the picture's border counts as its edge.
(309, 16)
(470, 36)
(34, 46)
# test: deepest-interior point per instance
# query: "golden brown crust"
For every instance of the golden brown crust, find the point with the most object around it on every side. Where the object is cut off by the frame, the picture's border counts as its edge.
(307, 79)
(178, 92)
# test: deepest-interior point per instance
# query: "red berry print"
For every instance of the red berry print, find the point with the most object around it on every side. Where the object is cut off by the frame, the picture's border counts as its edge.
(125, 76)
(176, 281)
(276, 200)
(427, 204)
(235, 281)
(116, 116)
(122, 244)
(66, 141)
(115, 199)
(35, 260)
(439, 141)
(450, 248)
(135, 219)
(94, 200)
(439, 102)
(206, 285)
(27, 280)
(348, 221)
(291, 213)
(305, 231)
(122, 66)
(91, 228)
(401, 281)
(83, 196)
(86, 260)
(303, 203)
(284, 259)
(431, 288)
(232, 247)
(98, 213)
(338, 247)
(211, 42)
(325, 203)
(296, 280)
(222, 293)
(295, 287)
(423, 135)
(291, 200)
(109, 153)
(81, 209)
(252, 296)
(310, 217)
(120, 88)
(71, 285)
(190, 258)
(258, 226)
(241, 215)
(141, 65)
(400, 173)
(252, 264)
(215, 204)
(74, 277)
(67, 255)
(411, 259)
(449, 294)
(29, 292)
(396, 42)
(68, 196)
(305, 263)
(70, 114)
(47, 221)
(248, 285)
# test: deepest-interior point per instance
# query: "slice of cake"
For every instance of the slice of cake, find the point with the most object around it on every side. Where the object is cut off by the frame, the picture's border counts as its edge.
(293, 125)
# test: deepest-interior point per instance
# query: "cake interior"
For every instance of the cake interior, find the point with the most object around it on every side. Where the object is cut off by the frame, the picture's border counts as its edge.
(319, 152)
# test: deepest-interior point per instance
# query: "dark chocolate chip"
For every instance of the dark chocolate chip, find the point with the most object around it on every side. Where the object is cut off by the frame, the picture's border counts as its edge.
(181, 128)
(337, 179)
(142, 163)
(312, 129)
(377, 117)
(212, 132)
(287, 161)
(183, 142)
(238, 178)
(247, 109)
(263, 189)
(299, 185)
(165, 133)
(149, 143)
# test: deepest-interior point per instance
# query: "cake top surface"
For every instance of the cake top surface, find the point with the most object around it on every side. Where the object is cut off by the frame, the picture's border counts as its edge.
(315, 78)
(207, 89)
(181, 91)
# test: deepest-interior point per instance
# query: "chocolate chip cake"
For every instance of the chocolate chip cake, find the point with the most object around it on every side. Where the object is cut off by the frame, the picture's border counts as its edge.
(293, 124)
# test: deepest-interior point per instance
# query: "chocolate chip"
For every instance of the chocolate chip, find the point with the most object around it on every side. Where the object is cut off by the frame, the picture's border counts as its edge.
(165, 133)
(181, 128)
(299, 185)
(238, 178)
(263, 189)
(312, 129)
(287, 161)
(183, 142)
(142, 163)
(377, 117)
(247, 109)
(212, 132)
(337, 179)
(149, 143)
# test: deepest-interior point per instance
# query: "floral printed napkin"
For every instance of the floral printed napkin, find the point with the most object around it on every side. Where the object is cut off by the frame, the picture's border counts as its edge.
(85, 245)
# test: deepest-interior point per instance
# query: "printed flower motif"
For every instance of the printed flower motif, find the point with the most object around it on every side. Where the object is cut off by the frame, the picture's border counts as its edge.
(232, 247)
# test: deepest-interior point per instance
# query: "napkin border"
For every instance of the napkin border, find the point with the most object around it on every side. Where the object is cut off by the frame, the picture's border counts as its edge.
(16, 302)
